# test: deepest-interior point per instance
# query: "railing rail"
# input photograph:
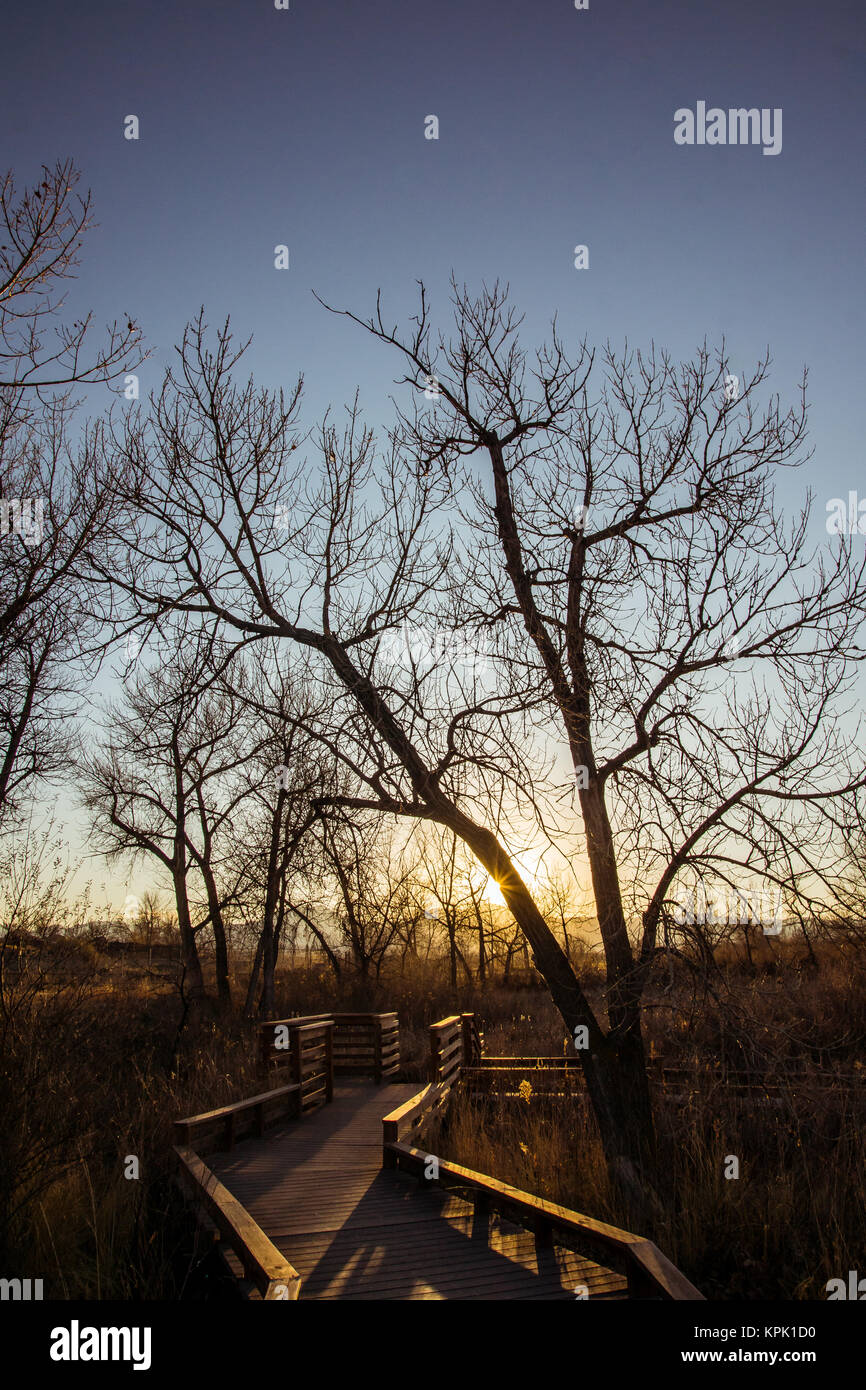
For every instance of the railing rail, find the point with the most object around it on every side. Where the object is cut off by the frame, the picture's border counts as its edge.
(455, 1043)
(649, 1273)
(222, 1128)
(366, 1044)
(263, 1264)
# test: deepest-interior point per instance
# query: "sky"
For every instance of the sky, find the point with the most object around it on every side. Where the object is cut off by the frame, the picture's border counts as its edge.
(305, 127)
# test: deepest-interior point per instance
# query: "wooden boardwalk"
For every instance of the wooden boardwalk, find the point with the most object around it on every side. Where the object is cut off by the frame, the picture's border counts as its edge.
(318, 1191)
(355, 1230)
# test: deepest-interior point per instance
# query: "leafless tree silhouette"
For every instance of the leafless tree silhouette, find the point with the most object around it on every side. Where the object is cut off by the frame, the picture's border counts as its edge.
(162, 786)
(620, 540)
(54, 496)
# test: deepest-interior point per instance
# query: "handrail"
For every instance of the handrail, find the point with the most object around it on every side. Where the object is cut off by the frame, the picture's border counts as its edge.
(650, 1273)
(228, 1114)
(448, 1047)
(491, 1074)
(410, 1114)
(263, 1263)
(367, 1043)
(303, 1019)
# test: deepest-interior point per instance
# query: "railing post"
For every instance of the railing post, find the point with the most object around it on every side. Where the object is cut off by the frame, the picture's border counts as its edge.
(466, 1027)
(543, 1232)
(377, 1048)
(639, 1286)
(434, 1054)
(297, 1073)
(329, 1061)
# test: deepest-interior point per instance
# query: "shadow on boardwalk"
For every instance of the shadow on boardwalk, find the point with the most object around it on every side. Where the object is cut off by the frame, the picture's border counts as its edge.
(355, 1231)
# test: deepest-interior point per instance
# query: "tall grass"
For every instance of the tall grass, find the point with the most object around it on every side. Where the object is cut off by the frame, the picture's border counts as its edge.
(95, 1071)
(795, 1216)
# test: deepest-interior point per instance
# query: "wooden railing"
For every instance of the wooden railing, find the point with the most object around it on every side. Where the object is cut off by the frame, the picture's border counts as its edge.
(455, 1043)
(648, 1272)
(446, 1050)
(368, 1044)
(263, 1264)
(330, 1045)
(222, 1128)
(473, 1041)
(307, 1050)
(299, 1051)
(411, 1113)
(456, 1054)
(312, 1063)
(564, 1075)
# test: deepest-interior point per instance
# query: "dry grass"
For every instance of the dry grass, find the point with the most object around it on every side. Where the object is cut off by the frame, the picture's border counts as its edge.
(794, 1218)
(796, 1215)
(94, 1071)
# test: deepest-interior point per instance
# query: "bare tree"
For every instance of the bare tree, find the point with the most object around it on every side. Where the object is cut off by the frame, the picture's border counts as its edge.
(612, 635)
(283, 772)
(42, 230)
(688, 643)
(151, 925)
(563, 907)
(450, 880)
(162, 787)
(55, 500)
(373, 887)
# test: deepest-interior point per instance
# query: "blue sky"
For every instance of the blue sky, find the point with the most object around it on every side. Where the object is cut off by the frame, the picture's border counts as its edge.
(306, 127)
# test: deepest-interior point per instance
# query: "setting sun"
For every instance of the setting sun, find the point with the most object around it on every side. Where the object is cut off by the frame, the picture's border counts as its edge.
(493, 893)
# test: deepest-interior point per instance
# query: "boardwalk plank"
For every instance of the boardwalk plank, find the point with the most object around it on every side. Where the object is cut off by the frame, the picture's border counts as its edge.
(355, 1231)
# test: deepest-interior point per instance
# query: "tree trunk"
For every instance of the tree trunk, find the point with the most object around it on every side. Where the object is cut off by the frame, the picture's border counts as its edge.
(614, 1063)
(269, 940)
(509, 954)
(269, 965)
(221, 954)
(567, 941)
(333, 958)
(452, 948)
(252, 986)
(464, 962)
(193, 979)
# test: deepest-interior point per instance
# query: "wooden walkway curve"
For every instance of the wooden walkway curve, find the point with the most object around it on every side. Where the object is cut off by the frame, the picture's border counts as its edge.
(317, 1192)
(354, 1230)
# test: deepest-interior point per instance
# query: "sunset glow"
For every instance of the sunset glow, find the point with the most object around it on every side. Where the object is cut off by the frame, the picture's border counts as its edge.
(429, 461)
